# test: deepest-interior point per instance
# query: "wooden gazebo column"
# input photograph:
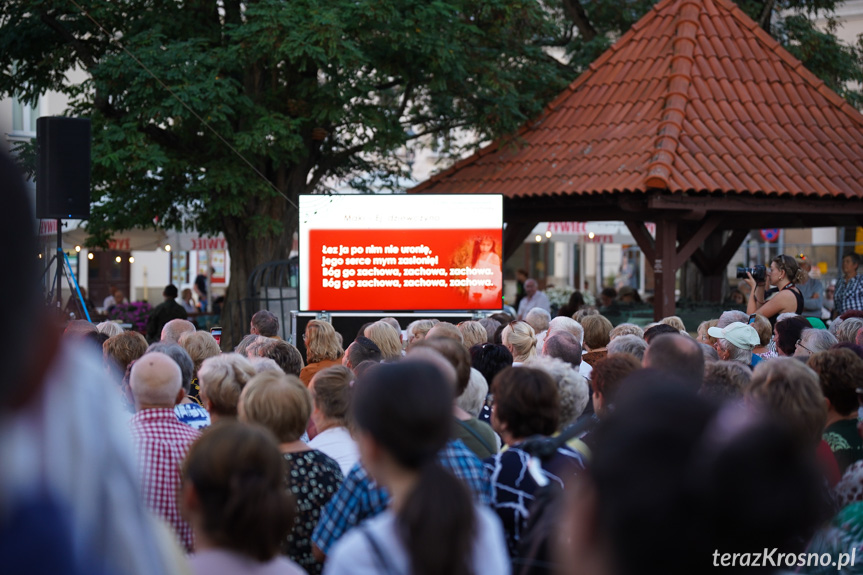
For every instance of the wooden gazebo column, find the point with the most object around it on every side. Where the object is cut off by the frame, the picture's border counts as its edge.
(666, 258)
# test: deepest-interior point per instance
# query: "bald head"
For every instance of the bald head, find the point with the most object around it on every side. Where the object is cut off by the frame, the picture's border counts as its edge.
(156, 382)
(175, 328)
(677, 354)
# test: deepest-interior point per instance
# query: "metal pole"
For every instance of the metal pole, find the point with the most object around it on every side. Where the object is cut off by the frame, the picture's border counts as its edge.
(59, 263)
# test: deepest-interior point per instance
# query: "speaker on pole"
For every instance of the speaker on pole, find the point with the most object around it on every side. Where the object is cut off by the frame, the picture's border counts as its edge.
(63, 168)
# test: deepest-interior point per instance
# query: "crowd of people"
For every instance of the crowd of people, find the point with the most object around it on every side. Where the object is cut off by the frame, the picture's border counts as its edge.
(494, 446)
(521, 445)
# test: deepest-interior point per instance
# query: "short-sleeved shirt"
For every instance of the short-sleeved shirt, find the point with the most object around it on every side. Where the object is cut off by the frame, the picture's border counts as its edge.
(513, 486)
(355, 555)
(848, 295)
(338, 444)
(313, 478)
(359, 498)
(161, 443)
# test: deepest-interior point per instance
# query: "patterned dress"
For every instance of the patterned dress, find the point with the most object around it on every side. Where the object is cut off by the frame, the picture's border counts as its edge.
(313, 478)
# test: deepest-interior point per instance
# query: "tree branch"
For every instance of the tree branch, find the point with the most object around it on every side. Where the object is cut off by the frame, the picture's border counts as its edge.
(390, 84)
(85, 55)
(764, 19)
(575, 11)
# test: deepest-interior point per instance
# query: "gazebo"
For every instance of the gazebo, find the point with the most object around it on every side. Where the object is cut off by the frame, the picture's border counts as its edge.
(697, 120)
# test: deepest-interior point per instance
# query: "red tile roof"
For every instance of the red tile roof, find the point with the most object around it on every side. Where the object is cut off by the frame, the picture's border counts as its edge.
(696, 97)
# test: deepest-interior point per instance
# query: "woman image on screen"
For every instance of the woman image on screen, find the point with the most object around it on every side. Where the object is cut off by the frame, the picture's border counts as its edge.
(485, 257)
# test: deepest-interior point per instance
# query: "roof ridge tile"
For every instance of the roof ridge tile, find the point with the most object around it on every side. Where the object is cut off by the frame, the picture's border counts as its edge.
(677, 95)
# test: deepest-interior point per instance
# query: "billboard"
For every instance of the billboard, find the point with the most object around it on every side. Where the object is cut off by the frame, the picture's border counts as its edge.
(401, 252)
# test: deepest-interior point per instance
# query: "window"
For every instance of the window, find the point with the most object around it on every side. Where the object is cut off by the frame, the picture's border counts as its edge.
(24, 117)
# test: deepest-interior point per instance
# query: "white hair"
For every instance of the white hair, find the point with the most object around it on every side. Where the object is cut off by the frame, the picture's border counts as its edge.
(737, 353)
(474, 394)
(731, 316)
(782, 316)
(563, 323)
(110, 328)
(538, 319)
(631, 344)
(626, 329)
(817, 339)
(262, 364)
(571, 385)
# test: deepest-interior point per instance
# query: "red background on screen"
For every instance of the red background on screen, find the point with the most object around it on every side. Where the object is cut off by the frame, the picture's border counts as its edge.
(454, 248)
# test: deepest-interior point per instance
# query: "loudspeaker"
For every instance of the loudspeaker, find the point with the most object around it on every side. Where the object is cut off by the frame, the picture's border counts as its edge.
(63, 168)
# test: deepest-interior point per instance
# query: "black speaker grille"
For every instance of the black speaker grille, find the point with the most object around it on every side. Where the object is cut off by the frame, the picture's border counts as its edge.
(63, 168)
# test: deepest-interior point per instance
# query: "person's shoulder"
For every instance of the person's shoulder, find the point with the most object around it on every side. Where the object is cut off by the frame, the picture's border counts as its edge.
(325, 462)
(353, 553)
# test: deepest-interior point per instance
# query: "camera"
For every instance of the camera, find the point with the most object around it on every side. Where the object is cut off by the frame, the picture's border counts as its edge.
(758, 273)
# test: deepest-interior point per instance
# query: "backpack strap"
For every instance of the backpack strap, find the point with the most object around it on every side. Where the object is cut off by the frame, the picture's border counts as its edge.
(478, 437)
(378, 552)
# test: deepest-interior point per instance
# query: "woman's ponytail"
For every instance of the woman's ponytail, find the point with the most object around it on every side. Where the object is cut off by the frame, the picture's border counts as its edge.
(438, 523)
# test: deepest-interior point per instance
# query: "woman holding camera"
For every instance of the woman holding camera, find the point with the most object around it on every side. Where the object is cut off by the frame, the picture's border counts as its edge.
(782, 274)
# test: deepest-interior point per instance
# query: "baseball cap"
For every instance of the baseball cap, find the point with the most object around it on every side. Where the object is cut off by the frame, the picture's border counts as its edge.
(739, 334)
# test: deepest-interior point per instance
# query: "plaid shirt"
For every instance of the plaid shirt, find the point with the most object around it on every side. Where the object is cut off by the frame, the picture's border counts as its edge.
(849, 294)
(161, 443)
(359, 498)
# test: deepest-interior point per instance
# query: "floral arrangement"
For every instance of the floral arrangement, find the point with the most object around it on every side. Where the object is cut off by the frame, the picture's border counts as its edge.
(136, 313)
(558, 296)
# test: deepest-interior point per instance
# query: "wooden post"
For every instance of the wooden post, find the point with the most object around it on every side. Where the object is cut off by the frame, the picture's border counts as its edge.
(665, 268)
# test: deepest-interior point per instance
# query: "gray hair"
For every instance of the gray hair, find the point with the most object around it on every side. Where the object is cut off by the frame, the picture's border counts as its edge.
(110, 328)
(725, 380)
(538, 319)
(474, 394)
(847, 332)
(626, 329)
(563, 346)
(180, 356)
(631, 344)
(490, 326)
(730, 316)
(834, 327)
(737, 353)
(262, 364)
(567, 324)
(709, 352)
(817, 339)
(245, 343)
(571, 385)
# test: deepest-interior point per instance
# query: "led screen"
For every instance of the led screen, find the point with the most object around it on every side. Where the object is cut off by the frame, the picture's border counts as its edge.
(400, 252)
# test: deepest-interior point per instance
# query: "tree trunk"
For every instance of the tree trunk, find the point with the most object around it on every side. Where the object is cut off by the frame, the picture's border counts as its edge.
(250, 248)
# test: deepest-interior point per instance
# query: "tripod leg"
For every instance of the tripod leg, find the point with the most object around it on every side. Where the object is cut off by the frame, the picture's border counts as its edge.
(70, 278)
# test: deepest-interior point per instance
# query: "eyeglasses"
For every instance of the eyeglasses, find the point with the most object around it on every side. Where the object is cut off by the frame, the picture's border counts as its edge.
(798, 344)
